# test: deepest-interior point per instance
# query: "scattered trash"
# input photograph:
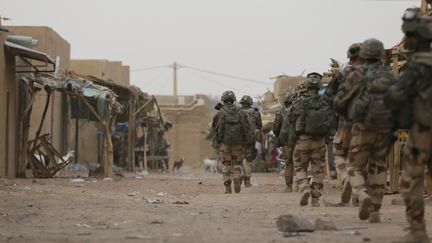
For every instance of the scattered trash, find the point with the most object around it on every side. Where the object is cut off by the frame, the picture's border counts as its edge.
(79, 167)
(292, 223)
(397, 202)
(83, 226)
(137, 237)
(200, 183)
(292, 234)
(162, 194)
(366, 239)
(4, 214)
(132, 194)
(324, 225)
(27, 188)
(350, 232)
(138, 177)
(153, 201)
(177, 234)
(79, 185)
(180, 202)
(107, 179)
(75, 180)
(29, 205)
(143, 173)
(156, 222)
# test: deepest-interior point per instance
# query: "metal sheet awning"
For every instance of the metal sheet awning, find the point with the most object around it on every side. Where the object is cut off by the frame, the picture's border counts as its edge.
(25, 52)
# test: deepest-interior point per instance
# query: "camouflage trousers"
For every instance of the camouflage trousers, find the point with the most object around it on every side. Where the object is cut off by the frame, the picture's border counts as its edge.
(250, 154)
(310, 149)
(341, 143)
(367, 163)
(417, 153)
(231, 158)
(287, 151)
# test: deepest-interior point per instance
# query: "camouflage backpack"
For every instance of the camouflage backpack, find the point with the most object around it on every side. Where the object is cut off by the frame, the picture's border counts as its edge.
(368, 106)
(232, 128)
(252, 116)
(287, 133)
(315, 117)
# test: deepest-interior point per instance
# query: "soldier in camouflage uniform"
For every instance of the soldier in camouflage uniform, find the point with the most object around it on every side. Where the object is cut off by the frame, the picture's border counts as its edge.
(232, 132)
(284, 131)
(254, 118)
(342, 138)
(310, 146)
(411, 96)
(360, 97)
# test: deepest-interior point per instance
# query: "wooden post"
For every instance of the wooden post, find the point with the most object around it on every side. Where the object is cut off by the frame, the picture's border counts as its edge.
(145, 148)
(395, 62)
(131, 134)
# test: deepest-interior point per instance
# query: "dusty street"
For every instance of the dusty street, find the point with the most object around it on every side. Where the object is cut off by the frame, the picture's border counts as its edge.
(184, 207)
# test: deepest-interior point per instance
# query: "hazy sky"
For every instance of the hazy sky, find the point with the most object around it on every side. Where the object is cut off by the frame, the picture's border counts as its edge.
(254, 39)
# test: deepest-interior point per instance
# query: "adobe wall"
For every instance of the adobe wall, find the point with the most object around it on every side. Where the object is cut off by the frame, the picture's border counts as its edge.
(103, 69)
(187, 137)
(55, 123)
(8, 111)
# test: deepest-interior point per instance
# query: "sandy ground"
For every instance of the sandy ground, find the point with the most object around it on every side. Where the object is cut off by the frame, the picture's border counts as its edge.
(152, 209)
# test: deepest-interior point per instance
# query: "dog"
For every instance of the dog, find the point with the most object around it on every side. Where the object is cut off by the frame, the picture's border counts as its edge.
(211, 165)
(177, 164)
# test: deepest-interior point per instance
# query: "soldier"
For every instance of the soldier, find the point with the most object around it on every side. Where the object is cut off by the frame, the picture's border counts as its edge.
(232, 132)
(342, 137)
(411, 97)
(255, 123)
(360, 98)
(284, 131)
(311, 125)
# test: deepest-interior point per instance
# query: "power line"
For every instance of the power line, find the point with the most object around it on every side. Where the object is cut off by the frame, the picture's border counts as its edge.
(226, 75)
(150, 68)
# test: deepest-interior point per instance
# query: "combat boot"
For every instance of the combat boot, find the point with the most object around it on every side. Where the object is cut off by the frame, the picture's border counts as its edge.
(374, 217)
(304, 200)
(237, 187)
(346, 191)
(247, 182)
(354, 201)
(365, 205)
(416, 236)
(288, 188)
(315, 198)
(227, 187)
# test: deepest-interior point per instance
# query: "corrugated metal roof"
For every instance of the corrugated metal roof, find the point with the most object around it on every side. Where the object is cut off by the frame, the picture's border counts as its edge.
(29, 53)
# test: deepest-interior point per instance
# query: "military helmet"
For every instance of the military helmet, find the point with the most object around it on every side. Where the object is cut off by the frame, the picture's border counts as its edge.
(353, 50)
(228, 95)
(289, 98)
(246, 99)
(311, 83)
(415, 24)
(372, 49)
(314, 75)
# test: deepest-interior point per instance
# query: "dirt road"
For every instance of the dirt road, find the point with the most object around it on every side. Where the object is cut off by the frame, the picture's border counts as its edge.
(184, 207)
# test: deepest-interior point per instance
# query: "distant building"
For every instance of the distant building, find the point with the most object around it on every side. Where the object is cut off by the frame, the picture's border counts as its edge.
(191, 117)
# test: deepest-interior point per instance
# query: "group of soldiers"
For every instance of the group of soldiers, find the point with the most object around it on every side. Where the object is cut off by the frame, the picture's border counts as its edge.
(362, 108)
(236, 130)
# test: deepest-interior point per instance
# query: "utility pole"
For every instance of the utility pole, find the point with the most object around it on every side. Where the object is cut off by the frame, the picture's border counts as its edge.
(175, 79)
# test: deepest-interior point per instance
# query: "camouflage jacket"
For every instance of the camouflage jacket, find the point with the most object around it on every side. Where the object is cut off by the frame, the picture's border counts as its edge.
(411, 96)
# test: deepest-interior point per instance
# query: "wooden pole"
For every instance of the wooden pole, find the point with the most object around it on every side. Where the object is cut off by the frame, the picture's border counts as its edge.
(145, 150)
(175, 79)
(131, 134)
